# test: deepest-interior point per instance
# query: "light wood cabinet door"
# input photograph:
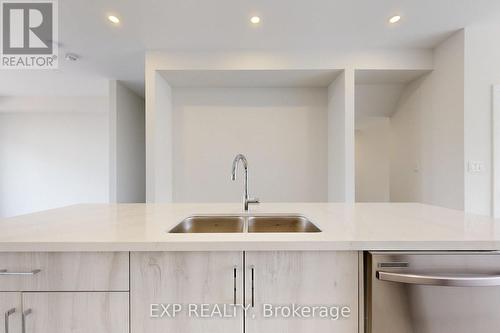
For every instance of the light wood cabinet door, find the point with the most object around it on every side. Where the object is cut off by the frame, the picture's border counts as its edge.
(82, 312)
(64, 271)
(307, 278)
(10, 312)
(185, 278)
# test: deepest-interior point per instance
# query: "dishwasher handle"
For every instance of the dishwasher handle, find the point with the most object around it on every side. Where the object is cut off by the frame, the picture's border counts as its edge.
(466, 280)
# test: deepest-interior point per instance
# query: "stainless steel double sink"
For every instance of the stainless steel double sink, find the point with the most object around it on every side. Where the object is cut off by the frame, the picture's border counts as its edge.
(245, 223)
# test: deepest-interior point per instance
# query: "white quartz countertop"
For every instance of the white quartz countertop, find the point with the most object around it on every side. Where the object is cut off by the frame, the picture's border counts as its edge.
(143, 227)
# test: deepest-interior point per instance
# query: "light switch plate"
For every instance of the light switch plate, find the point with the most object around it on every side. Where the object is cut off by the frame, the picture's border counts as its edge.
(475, 166)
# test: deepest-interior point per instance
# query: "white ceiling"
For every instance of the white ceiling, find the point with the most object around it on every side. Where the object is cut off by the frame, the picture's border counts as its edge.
(250, 78)
(117, 52)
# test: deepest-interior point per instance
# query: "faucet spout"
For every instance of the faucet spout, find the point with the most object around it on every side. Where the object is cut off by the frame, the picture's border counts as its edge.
(243, 159)
(246, 199)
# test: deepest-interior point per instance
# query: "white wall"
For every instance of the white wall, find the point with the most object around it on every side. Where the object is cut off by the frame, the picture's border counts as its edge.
(373, 147)
(127, 145)
(482, 70)
(428, 127)
(52, 154)
(282, 132)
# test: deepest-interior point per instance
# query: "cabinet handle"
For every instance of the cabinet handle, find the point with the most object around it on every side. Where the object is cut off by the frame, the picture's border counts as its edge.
(7, 315)
(253, 285)
(235, 268)
(6, 272)
(23, 321)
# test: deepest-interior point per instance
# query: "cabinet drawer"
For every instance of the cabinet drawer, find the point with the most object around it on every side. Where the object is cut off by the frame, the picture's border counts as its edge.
(68, 271)
(87, 312)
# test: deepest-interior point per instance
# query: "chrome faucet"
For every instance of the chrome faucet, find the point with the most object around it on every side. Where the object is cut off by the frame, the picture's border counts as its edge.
(246, 199)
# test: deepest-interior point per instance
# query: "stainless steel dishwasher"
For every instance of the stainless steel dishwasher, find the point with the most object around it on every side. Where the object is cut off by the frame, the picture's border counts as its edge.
(432, 292)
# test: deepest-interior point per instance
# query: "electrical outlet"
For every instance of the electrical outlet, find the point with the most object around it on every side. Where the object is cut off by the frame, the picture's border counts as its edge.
(475, 166)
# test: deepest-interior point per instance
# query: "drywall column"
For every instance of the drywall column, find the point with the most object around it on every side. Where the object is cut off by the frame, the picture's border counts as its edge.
(341, 138)
(159, 139)
(127, 145)
(443, 127)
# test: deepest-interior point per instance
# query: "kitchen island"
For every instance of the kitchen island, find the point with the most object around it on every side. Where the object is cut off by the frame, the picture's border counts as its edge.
(116, 268)
(345, 227)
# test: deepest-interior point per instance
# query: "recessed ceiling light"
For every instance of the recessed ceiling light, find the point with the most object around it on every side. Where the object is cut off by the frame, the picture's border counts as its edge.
(114, 19)
(255, 19)
(395, 19)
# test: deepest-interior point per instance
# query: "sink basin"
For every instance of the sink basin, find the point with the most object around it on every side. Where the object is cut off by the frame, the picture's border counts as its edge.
(287, 223)
(210, 224)
(236, 224)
